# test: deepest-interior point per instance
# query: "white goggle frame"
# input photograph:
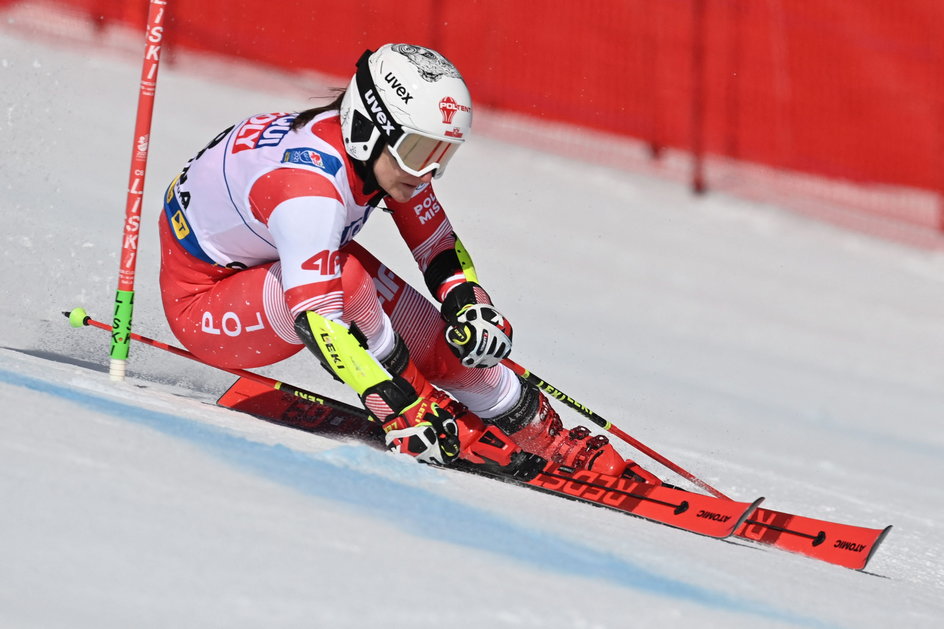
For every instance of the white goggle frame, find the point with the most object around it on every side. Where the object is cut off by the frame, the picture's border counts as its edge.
(419, 154)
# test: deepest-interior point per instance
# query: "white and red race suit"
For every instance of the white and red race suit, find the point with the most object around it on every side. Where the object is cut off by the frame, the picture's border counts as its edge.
(260, 226)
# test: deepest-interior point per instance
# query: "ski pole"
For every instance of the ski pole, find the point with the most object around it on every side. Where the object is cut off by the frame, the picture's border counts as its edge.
(79, 318)
(608, 426)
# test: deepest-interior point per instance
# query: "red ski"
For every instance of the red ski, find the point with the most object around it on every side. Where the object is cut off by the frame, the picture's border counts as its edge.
(705, 515)
(840, 544)
(286, 405)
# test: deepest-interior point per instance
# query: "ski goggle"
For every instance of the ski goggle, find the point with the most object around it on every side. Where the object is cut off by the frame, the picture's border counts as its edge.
(419, 154)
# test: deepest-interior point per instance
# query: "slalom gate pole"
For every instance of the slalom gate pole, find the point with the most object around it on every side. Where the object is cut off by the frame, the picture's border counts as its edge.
(606, 425)
(79, 318)
(124, 297)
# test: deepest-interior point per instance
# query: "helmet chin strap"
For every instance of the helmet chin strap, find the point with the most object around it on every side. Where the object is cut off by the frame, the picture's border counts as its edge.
(365, 170)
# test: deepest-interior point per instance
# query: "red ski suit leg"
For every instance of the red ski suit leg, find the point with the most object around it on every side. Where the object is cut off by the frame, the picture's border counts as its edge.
(230, 318)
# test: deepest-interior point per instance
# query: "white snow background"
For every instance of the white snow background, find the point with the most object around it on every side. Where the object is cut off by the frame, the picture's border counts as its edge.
(766, 353)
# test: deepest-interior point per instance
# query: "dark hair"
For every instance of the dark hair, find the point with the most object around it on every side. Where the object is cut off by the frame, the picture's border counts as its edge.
(309, 114)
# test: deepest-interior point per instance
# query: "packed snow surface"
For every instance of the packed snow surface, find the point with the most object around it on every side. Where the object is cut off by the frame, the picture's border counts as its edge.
(770, 355)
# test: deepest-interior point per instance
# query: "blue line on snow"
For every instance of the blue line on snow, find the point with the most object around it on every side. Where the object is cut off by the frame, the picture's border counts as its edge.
(415, 509)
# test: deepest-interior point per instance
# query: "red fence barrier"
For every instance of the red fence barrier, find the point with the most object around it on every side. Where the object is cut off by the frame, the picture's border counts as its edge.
(851, 91)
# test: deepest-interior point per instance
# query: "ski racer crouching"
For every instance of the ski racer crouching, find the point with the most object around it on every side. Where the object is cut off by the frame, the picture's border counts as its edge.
(258, 259)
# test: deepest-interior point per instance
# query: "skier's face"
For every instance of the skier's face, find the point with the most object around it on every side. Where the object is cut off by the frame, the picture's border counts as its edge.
(395, 181)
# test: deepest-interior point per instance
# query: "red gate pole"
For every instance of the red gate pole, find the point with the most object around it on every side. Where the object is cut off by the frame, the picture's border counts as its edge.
(124, 297)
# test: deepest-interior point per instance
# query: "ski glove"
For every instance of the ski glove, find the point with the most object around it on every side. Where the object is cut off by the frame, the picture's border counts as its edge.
(424, 430)
(414, 414)
(475, 331)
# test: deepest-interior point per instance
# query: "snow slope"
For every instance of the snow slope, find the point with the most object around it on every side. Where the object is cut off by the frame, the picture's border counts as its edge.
(767, 354)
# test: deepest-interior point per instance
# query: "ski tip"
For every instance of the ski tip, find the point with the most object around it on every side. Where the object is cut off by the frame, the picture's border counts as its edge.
(878, 541)
(78, 317)
(747, 514)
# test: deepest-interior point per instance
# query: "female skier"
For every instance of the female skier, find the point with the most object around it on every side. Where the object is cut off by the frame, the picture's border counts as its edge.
(258, 259)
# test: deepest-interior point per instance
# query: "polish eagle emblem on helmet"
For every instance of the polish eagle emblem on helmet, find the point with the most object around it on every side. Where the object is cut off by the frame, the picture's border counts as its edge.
(432, 66)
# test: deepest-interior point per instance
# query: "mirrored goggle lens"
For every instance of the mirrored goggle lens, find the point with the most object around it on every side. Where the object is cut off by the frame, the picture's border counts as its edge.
(418, 154)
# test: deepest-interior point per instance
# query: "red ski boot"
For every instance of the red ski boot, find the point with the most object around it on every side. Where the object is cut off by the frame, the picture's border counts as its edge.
(487, 446)
(536, 427)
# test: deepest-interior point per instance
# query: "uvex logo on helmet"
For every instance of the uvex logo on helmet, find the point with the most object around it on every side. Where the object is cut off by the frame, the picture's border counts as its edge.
(448, 107)
(398, 87)
(379, 116)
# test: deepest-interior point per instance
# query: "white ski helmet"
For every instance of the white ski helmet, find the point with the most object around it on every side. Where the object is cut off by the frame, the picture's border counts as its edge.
(414, 101)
